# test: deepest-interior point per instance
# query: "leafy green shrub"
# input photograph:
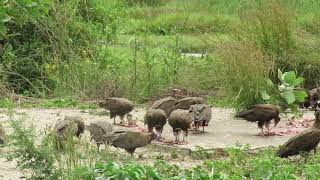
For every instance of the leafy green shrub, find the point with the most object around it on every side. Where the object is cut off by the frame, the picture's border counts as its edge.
(113, 170)
(39, 160)
(41, 37)
(286, 94)
(81, 172)
(6, 103)
(107, 16)
(201, 153)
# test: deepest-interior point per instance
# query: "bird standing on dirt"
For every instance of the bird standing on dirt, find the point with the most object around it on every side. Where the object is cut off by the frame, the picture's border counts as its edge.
(305, 141)
(130, 140)
(70, 124)
(155, 118)
(117, 107)
(98, 130)
(67, 128)
(165, 104)
(2, 134)
(261, 113)
(201, 115)
(185, 103)
(180, 120)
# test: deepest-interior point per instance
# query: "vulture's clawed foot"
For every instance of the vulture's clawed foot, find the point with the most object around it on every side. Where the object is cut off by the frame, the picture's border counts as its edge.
(182, 143)
(264, 134)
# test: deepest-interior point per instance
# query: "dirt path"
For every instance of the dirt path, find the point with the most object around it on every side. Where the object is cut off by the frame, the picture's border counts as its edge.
(223, 130)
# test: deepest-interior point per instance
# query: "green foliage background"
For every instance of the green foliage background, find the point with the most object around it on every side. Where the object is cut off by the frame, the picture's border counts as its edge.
(101, 48)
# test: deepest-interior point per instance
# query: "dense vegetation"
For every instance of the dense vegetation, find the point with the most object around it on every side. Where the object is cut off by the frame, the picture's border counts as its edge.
(93, 49)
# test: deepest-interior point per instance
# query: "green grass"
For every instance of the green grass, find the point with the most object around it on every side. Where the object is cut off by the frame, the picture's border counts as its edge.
(132, 48)
(47, 103)
(205, 43)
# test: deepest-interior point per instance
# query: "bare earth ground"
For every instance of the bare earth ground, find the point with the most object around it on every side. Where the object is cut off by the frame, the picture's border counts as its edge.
(223, 131)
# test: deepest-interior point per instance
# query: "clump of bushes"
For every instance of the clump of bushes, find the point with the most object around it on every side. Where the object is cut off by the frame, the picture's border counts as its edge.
(268, 27)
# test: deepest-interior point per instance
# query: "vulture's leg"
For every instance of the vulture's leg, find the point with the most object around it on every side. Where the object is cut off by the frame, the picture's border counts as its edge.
(176, 136)
(184, 136)
(131, 151)
(160, 133)
(267, 124)
(98, 146)
(260, 125)
(129, 118)
(122, 121)
(113, 116)
(315, 150)
(262, 132)
(197, 126)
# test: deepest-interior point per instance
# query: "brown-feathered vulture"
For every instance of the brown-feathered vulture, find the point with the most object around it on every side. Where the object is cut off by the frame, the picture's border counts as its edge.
(180, 120)
(311, 99)
(2, 134)
(67, 128)
(261, 113)
(305, 141)
(165, 104)
(98, 130)
(117, 107)
(70, 124)
(130, 140)
(155, 118)
(201, 115)
(186, 103)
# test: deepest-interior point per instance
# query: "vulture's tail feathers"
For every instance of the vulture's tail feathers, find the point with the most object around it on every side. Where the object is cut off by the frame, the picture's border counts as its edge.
(242, 114)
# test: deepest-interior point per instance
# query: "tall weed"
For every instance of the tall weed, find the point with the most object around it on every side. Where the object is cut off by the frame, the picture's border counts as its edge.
(246, 70)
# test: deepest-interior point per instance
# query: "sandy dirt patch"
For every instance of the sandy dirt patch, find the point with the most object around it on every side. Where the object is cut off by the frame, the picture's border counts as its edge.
(223, 131)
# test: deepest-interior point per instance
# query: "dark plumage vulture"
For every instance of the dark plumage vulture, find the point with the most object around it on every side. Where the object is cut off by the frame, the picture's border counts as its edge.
(117, 107)
(261, 113)
(305, 141)
(180, 120)
(155, 118)
(70, 124)
(311, 99)
(67, 128)
(2, 134)
(186, 103)
(98, 130)
(130, 140)
(165, 104)
(201, 115)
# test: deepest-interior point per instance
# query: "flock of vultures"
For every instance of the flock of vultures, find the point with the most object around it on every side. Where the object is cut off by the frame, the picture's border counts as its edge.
(182, 115)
